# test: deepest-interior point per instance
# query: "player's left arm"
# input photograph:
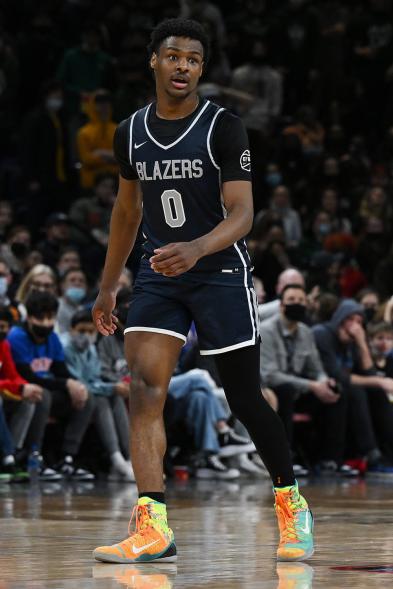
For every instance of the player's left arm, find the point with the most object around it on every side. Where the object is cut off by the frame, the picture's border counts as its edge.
(232, 154)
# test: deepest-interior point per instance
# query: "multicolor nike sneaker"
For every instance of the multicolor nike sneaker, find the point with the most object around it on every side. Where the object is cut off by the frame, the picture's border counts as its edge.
(152, 539)
(295, 522)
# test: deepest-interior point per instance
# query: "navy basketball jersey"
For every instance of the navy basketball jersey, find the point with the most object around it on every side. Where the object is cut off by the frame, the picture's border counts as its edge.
(181, 187)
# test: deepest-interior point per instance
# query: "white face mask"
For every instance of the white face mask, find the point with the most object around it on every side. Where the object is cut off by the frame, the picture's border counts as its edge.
(3, 286)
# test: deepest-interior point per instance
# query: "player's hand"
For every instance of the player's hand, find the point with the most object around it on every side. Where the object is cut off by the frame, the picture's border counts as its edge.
(175, 258)
(104, 320)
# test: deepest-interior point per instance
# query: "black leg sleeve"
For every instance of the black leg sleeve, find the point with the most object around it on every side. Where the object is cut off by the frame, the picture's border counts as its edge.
(240, 377)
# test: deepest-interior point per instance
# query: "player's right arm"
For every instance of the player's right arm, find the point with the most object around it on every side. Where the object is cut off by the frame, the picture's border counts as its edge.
(125, 221)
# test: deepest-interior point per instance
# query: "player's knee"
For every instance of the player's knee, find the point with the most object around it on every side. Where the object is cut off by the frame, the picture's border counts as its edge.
(145, 398)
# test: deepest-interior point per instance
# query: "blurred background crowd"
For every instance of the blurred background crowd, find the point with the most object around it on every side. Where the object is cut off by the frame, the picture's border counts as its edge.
(313, 83)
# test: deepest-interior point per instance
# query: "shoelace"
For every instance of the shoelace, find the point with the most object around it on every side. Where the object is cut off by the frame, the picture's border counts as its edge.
(286, 506)
(143, 520)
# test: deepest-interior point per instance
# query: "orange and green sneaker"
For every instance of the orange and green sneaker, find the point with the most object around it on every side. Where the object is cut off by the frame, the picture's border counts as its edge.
(295, 522)
(152, 539)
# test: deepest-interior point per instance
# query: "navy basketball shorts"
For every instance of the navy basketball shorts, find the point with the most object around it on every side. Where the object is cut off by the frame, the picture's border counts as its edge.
(222, 305)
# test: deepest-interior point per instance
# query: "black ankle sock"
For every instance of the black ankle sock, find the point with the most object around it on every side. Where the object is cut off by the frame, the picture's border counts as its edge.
(160, 497)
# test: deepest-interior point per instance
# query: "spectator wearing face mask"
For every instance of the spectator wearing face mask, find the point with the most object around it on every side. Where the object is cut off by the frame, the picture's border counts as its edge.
(291, 367)
(111, 418)
(369, 299)
(16, 248)
(26, 407)
(73, 288)
(39, 358)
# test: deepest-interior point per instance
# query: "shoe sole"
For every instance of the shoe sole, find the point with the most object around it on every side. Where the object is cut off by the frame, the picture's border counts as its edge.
(235, 450)
(141, 559)
(298, 559)
(118, 560)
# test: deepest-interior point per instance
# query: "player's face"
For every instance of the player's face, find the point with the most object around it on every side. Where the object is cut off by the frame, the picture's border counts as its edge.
(178, 66)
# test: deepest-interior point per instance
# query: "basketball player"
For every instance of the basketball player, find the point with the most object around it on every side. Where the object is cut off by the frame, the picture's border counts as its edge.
(185, 172)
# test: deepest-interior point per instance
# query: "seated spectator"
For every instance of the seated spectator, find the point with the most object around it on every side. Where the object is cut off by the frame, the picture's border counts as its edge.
(110, 416)
(369, 299)
(39, 358)
(281, 204)
(16, 248)
(310, 132)
(6, 291)
(93, 213)
(262, 86)
(314, 242)
(346, 358)
(330, 204)
(57, 228)
(68, 258)
(26, 406)
(7, 452)
(289, 276)
(290, 365)
(375, 203)
(45, 153)
(95, 140)
(380, 338)
(6, 217)
(73, 288)
(40, 278)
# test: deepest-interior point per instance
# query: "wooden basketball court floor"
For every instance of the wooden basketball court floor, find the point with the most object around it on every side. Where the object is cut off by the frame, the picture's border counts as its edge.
(226, 535)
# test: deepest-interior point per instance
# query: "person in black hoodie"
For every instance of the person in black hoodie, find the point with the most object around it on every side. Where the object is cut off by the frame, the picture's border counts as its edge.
(346, 357)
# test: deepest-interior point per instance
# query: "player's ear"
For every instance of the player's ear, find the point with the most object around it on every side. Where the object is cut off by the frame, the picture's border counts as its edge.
(153, 60)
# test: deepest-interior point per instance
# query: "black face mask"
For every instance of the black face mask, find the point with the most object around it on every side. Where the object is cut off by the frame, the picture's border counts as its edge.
(19, 249)
(41, 331)
(295, 312)
(3, 335)
(369, 314)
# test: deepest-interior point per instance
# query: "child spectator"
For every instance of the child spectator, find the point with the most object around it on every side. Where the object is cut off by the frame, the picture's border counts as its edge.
(111, 417)
(39, 358)
(73, 288)
(26, 405)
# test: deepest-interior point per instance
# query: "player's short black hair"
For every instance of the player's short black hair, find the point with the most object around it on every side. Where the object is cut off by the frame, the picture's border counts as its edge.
(289, 286)
(179, 27)
(39, 304)
(81, 316)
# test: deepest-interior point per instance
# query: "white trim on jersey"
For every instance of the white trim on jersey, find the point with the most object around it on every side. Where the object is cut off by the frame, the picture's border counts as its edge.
(157, 330)
(130, 145)
(250, 342)
(208, 139)
(181, 136)
(250, 303)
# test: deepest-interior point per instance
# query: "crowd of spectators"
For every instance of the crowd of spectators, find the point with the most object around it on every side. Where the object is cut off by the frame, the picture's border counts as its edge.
(313, 83)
